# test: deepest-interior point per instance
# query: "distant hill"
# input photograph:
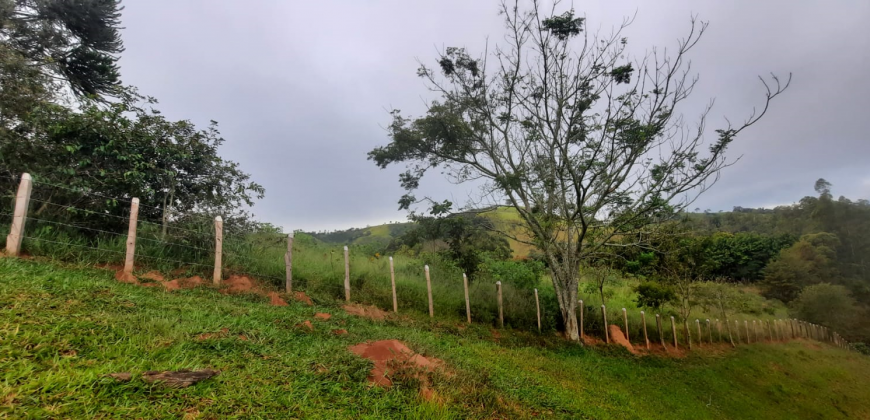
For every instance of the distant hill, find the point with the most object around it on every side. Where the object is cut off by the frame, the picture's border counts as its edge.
(504, 217)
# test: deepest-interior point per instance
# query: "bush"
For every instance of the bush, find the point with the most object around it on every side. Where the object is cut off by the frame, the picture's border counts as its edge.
(653, 295)
(523, 275)
(827, 304)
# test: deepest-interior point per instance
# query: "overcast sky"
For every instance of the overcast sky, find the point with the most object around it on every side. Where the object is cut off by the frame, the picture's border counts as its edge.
(301, 89)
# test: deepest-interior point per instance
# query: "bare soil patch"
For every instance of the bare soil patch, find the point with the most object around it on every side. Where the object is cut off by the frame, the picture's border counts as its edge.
(617, 337)
(341, 331)
(322, 316)
(306, 325)
(178, 379)
(207, 336)
(370, 312)
(302, 297)
(275, 299)
(239, 284)
(123, 277)
(153, 275)
(392, 358)
(184, 283)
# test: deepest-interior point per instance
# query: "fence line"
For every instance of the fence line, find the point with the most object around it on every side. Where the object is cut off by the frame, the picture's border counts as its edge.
(778, 329)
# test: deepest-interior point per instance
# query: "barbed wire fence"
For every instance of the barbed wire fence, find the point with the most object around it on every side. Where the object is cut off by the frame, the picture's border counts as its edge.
(213, 252)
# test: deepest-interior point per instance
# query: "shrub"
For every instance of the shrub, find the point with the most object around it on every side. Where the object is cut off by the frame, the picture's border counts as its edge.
(827, 304)
(653, 295)
(523, 275)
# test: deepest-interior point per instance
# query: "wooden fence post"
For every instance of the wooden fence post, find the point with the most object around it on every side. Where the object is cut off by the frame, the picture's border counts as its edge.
(625, 321)
(582, 313)
(709, 331)
(769, 332)
(429, 292)
(393, 284)
(606, 330)
(661, 333)
(791, 324)
(746, 327)
(643, 322)
(346, 275)
(218, 249)
(500, 305)
(719, 329)
(674, 332)
(755, 330)
(688, 332)
(737, 330)
(467, 301)
(19, 216)
(131, 237)
(288, 265)
(538, 307)
(700, 336)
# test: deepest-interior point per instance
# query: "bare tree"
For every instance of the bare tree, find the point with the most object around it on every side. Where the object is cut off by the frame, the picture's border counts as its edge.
(589, 147)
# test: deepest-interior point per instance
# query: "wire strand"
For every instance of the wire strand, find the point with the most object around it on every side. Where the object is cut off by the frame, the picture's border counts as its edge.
(73, 244)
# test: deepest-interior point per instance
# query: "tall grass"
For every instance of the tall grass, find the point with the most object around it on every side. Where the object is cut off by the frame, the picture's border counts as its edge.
(318, 270)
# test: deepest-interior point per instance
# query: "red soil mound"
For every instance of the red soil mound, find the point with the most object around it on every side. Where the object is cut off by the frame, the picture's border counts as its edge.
(393, 356)
(276, 300)
(239, 284)
(322, 316)
(370, 312)
(616, 336)
(123, 277)
(152, 275)
(306, 325)
(188, 283)
(339, 331)
(206, 336)
(302, 297)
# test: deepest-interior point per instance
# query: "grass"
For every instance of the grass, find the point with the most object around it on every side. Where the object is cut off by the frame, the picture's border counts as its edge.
(63, 327)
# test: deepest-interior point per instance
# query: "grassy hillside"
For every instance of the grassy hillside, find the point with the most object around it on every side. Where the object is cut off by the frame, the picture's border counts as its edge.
(505, 217)
(62, 329)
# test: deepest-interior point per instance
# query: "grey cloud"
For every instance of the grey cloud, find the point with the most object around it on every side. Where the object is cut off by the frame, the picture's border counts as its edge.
(301, 89)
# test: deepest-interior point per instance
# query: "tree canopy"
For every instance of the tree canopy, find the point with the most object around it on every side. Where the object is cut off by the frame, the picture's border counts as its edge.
(587, 145)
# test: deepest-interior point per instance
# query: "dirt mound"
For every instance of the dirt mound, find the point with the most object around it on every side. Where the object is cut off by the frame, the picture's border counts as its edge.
(617, 337)
(302, 297)
(591, 341)
(322, 316)
(239, 284)
(153, 275)
(188, 283)
(370, 312)
(123, 277)
(392, 357)
(341, 331)
(306, 325)
(206, 336)
(276, 300)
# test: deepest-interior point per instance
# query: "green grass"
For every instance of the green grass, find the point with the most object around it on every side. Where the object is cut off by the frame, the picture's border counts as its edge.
(62, 328)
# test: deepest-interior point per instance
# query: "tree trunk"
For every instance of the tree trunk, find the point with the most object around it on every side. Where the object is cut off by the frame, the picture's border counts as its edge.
(569, 314)
(565, 283)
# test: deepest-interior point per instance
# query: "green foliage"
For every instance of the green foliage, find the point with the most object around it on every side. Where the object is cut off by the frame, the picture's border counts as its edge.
(653, 295)
(469, 239)
(809, 261)
(832, 306)
(522, 274)
(77, 41)
(124, 150)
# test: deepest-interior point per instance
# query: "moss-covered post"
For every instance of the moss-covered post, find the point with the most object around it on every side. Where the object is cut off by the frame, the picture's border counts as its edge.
(500, 305)
(643, 322)
(346, 275)
(625, 321)
(19, 215)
